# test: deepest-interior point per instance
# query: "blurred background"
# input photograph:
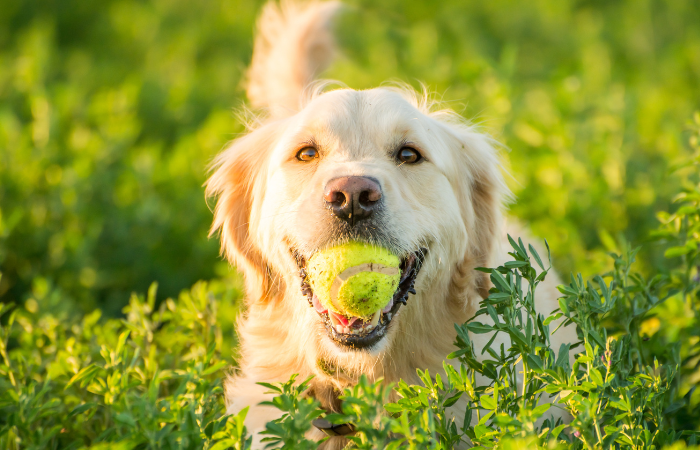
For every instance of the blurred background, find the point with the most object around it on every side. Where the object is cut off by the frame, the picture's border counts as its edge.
(111, 111)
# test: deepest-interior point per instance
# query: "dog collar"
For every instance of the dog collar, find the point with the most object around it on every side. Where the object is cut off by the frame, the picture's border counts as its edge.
(332, 429)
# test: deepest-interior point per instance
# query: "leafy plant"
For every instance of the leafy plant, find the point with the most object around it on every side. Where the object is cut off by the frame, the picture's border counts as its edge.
(615, 397)
(681, 231)
(151, 380)
(299, 412)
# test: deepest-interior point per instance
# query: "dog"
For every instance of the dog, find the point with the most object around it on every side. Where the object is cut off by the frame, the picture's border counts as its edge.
(322, 166)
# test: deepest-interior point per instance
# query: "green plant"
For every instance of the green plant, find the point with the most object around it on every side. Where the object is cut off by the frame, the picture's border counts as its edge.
(681, 231)
(299, 411)
(111, 111)
(151, 380)
(616, 397)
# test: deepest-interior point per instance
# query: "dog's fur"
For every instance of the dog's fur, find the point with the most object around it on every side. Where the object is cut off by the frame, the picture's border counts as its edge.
(269, 207)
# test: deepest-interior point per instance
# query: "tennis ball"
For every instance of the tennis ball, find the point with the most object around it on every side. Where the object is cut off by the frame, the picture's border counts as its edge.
(354, 279)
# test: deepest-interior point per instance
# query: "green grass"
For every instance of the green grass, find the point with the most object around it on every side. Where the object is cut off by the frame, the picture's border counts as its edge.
(111, 111)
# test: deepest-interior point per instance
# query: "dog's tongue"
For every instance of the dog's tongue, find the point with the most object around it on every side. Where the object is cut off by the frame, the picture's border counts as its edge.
(340, 318)
(349, 321)
(343, 323)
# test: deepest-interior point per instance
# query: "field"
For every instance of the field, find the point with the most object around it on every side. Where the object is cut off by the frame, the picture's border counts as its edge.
(110, 113)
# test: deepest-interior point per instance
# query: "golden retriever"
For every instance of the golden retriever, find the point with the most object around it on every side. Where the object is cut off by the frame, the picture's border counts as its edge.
(320, 167)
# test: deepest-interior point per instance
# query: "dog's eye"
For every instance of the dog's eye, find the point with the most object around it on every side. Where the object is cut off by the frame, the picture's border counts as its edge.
(307, 154)
(408, 155)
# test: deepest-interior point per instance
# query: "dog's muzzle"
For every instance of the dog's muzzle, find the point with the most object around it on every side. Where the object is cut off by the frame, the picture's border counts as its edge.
(357, 332)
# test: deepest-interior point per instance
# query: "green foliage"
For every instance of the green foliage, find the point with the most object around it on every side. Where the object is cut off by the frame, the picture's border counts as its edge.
(111, 111)
(298, 412)
(614, 392)
(109, 115)
(681, 230)
(152, 380)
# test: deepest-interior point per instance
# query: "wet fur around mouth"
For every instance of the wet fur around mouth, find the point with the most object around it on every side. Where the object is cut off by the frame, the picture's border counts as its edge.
(410, 267)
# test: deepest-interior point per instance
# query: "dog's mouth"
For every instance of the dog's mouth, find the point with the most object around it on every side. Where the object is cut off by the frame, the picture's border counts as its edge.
(359, 332)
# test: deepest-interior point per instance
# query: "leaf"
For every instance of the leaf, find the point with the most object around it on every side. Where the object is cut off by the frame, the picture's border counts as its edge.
(621, 405)
(563, 355)
(596, 337)
(125, 418)
(534, 361)
(462, 334)
(610, 429)
(563, 306)
(492, 313)
(497, 297)
(551, 318)
(393, 408)
(215, 368)
(85, 375)
(481, 430)
(596, 376)
(567, 290)
(488, 402)
(675, 252)
(541, 409)
(81, 408)
(516, 247)
(452, 400)
(270, 386)
(515, 264)
(558, 430)
(121, 341)
(500, 282)
(673, 407)
(623, 439)
(458, 353)
(487, 347)
(517, 336)
(4, 307)
(479, 328)
(536, 256)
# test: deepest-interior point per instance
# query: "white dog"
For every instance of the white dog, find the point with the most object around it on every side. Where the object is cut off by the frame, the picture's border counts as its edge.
(322, 167)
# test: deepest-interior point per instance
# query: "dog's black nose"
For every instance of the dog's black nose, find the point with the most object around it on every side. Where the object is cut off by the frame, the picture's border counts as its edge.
(352, 199)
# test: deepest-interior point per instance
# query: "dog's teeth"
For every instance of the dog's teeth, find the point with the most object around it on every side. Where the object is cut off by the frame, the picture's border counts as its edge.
(339, 329)
(388, 316)
(375, 319)
(335, 322)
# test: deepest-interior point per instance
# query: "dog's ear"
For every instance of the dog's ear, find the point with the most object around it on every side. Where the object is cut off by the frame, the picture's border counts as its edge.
(483, 194)
(238, 174)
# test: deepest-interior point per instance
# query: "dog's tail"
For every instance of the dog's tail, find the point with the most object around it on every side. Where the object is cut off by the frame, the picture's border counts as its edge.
(294, 44)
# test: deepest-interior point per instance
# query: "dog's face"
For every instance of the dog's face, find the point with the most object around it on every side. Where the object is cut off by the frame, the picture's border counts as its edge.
(373, 166)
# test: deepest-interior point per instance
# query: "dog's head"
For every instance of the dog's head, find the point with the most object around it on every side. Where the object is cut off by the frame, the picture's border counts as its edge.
(376, 166)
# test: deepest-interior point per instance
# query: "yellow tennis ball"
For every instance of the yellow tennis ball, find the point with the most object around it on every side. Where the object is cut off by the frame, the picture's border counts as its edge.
(354, 279)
